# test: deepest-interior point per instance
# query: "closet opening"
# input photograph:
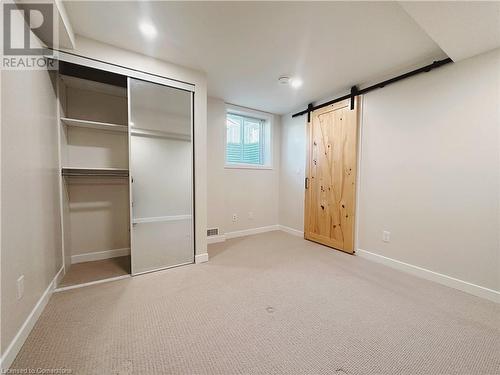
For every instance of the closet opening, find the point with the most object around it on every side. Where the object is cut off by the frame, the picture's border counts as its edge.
(126, 174)
(94, 161)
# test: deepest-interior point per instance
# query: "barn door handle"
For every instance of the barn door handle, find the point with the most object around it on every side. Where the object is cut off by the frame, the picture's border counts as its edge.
(306, 183)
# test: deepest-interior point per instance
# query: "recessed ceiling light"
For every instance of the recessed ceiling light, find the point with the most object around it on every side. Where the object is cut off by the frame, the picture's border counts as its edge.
(147, 29)
(296, 83)
(284, 80)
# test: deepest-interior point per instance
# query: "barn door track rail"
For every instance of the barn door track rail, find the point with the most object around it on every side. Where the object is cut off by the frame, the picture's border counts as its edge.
(355, 91)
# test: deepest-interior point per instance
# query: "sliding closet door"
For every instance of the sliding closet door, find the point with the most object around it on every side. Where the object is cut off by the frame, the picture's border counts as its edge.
(161, 170)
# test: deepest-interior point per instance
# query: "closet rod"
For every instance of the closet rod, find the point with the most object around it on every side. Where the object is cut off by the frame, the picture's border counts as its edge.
(356, 92)
(89, 172)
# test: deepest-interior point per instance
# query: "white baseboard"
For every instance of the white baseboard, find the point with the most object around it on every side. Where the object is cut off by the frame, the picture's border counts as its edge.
(63, 288)
(248, 232)
(464, 286)
(289, 230)
(216, 239)
(99, 255)
(21, 336)
(201, 258)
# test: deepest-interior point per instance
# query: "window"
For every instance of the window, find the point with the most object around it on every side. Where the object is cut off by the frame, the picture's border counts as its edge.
(247, 141)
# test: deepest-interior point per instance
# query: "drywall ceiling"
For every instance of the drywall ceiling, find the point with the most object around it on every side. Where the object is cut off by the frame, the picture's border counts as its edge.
(245, 46)
(461, 29)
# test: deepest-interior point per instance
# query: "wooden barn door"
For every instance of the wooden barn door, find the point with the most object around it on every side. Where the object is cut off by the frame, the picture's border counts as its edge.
(331, 176)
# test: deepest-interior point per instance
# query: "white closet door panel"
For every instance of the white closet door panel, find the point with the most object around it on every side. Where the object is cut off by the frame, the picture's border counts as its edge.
(162, 244)
(161, 168)
(177, 124)
(160, 108)
(162, 180)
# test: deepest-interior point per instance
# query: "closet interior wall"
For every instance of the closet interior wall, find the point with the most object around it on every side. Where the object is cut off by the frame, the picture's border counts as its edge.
(94, 146)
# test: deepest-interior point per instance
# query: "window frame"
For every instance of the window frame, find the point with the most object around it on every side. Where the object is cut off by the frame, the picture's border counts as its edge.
(266, 131)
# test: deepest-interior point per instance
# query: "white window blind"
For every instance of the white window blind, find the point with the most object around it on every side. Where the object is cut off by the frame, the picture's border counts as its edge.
(244, 140)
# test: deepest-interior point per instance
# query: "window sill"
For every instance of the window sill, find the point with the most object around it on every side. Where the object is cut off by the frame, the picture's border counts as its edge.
(247, 166)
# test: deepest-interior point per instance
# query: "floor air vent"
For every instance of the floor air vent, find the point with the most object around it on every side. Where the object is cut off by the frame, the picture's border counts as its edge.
(212, 232)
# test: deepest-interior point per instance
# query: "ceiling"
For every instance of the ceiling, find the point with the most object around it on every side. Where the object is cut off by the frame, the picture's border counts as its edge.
(462, 28)
(245, 46)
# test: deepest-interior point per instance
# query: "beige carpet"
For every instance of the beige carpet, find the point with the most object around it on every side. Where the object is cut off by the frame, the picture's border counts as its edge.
(85, 272)
(268, 304)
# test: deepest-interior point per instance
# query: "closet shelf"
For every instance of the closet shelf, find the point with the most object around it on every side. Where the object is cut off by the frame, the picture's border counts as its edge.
(94, 172)
(94, 125)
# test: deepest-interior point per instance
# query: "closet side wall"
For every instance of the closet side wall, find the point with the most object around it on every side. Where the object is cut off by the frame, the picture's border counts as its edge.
(31, 232)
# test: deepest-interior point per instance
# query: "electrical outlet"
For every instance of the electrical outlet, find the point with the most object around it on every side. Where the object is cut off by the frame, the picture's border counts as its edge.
(250, 215)
(386, 236)
(235, 217)
(20, 287)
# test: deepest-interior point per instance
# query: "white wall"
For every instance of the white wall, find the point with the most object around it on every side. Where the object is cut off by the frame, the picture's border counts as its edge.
(239, 191)
(31, 234)
(429, 173)
(292, 172)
